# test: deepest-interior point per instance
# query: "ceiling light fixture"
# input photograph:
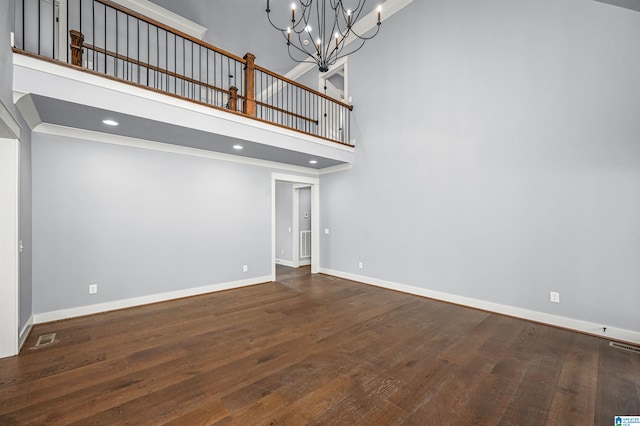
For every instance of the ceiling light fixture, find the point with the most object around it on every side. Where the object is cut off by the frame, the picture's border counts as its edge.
(238, 147)
(110, 122)
(334, 23)
(313, 161)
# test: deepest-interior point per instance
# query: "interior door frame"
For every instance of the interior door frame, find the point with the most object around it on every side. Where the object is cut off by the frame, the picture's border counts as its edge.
(295, 224)
(341, 65)
(314, 183)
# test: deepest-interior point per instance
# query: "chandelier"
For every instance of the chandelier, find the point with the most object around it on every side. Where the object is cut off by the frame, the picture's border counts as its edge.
(322, 29)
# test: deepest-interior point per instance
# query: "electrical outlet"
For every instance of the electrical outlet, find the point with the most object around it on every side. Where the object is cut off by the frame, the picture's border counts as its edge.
(554, 297)
(360, 265)
(281, 252)
(93, 288)
(326, 231)
(245, 268)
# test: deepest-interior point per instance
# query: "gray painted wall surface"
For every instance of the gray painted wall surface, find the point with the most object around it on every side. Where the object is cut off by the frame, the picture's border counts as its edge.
(304, 207)
(284, 221)
(139, 222)
(25, 306)
(510, 164)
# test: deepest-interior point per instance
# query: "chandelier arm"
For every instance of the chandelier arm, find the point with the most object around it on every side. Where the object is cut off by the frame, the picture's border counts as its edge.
(358, 10)
(305, 60)
(365, 38)
(330, 40)
(350, 52)
(304, 53)
(301, 46)
(331, 43)
(272, 24)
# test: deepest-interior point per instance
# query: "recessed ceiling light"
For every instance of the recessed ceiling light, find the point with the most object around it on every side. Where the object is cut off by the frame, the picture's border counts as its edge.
(313, 161)
(238, 147)
(110, 122)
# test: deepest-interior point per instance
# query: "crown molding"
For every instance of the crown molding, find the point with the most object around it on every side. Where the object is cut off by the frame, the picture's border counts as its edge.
(90, 135)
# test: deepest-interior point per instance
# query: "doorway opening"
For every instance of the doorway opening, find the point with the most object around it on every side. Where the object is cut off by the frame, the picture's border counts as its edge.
(295, 222)
(335, 84)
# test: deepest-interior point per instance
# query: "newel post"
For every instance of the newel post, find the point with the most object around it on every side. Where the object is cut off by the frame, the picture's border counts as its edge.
(77, 39)
(233, 98)
(249, 106)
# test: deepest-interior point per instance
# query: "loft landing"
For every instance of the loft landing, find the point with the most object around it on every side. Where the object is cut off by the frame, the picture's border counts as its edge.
(165, 86)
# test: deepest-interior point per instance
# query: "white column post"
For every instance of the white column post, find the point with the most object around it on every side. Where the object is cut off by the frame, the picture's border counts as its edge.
(9, 256)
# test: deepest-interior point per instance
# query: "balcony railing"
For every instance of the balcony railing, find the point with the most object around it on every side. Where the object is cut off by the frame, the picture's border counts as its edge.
(100, 36)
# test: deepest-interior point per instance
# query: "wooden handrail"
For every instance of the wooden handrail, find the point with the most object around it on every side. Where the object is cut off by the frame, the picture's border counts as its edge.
(216, 49)
(134, 84)
(293, 109)
(301, 86)
(169, 29)
(232, 92)
(284, 111)
(152, 67)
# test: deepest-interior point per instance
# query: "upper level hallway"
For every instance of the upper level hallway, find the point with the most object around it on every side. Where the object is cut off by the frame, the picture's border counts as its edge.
(77, 63)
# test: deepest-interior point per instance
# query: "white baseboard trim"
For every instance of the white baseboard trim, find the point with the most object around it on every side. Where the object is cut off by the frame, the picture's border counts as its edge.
(288, 263)
(540, 317)
(24, 333)
(143, 300)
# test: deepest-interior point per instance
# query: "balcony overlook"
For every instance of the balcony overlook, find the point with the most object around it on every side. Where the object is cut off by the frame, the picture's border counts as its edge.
(79, 62)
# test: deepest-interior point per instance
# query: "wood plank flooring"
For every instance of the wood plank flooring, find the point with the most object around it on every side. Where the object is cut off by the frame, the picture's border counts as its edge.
(314, 350)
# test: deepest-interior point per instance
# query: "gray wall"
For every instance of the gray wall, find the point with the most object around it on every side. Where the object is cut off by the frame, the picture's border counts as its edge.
(26, 306)
(507, 166)
(304, 207)
(139, 222)
(284, 221)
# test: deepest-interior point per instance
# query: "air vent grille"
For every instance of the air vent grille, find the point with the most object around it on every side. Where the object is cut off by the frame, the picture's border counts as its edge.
(625, 347)
(46, 340)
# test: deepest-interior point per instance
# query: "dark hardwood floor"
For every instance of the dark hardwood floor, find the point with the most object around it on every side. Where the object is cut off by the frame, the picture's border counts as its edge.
(315, 350)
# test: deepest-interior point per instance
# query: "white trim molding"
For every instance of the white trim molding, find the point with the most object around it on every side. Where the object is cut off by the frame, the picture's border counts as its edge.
(283, 262)
(535, 316)
(90, 135)
(160, 14)
(143, 300)
(9, 253)
(334, 169)
(314, 182)
(24, 333)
